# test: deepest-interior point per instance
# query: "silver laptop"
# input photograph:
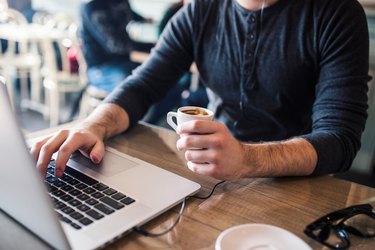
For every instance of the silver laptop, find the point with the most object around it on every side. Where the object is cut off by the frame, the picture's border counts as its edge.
(81, 211)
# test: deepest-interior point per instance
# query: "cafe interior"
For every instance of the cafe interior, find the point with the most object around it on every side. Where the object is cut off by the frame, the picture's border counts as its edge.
(42, 62)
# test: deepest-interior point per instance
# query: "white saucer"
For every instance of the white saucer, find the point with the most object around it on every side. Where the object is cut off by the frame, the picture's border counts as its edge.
(259, 237)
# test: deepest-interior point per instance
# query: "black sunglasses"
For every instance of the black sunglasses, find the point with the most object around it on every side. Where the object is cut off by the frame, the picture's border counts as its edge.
(332, 229)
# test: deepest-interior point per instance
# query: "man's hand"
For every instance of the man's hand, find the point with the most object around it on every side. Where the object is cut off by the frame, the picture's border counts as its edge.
(66, 142)
(211, 150)
(106, 121)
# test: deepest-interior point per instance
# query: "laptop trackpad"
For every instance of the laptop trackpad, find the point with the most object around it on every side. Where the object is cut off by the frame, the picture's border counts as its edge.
(111, 165)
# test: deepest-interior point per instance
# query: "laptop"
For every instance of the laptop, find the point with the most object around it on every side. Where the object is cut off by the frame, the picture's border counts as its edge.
(92, 205)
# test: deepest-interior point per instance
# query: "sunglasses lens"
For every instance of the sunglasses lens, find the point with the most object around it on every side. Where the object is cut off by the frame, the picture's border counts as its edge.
(361, 225)
(331, 237)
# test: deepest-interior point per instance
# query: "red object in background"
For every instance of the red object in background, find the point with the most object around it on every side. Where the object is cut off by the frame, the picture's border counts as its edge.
(72, 55)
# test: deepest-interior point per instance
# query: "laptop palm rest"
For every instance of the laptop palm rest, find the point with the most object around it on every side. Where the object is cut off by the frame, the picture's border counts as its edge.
(111, 165)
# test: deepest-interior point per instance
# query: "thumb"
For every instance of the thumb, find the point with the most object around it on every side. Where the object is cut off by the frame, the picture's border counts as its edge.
(97, 152)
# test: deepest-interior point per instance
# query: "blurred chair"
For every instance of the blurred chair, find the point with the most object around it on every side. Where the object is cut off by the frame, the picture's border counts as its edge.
(65, 72)
(42, 17)
(19, 58)
(91, 98)
(3, 4)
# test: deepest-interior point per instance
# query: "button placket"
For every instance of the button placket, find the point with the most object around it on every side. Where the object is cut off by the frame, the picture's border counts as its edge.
(250, 44)
(249, 57)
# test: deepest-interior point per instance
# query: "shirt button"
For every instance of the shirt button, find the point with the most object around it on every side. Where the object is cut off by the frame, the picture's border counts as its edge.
(251, 19)
(246, 72)
(252, 36)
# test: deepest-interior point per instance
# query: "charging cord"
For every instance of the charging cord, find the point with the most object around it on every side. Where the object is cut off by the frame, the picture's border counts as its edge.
(144, 232)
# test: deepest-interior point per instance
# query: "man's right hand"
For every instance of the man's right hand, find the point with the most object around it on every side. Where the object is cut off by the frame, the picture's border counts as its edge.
(66, 142)
(106, 121)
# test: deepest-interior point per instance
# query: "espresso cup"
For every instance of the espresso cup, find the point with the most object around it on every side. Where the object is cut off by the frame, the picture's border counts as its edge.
(188, 113)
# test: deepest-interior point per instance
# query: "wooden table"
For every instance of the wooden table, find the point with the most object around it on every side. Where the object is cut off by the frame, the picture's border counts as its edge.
(290, 203)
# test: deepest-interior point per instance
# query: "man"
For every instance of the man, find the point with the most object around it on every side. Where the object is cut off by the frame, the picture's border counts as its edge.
(287, 84)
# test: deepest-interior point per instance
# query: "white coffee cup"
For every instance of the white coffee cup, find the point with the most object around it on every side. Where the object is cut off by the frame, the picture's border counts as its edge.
(188, 113)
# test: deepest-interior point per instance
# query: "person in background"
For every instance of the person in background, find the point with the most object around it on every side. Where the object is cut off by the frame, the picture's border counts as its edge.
(106, 43)
(287, 81)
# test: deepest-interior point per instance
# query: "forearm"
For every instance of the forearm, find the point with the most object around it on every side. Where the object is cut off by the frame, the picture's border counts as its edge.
(295, 157)
(107, 120)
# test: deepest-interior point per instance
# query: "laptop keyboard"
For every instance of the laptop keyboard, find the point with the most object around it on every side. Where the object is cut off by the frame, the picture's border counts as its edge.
(81, 200)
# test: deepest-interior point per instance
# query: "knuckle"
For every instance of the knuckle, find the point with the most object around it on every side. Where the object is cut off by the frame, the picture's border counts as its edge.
(38, 144)
(66, 148)
(46, 147)
(218, 143)
(63, 132)
(181, 144)
(196, 124)
(76, 133)
(215, 159)
(188, 156)
(41, 163)
(188, 140)
(215, 171)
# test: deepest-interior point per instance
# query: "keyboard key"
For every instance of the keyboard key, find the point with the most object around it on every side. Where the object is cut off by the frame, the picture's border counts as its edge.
(59, 205)
(65, 219)
(59, 215)
(51, 179)
(66, 178)
(51, 188)
(59, 193)
(83, 197)
(75, 202)
(118, 196)
(111, 202)
(94, 214)
(67, 210)
(51, 171)
(73, 182)
(100, 186)
(82, 177)
(109, 191)
(66, 198)
(83, 207)
(75, 192)
(127, 200)
(91, 202)
(76, 215)
(59, 184)
(54, 200)
(67, 188)
(75, 225)
(81, 186)
(103, 208)
(97, 195)
(85, 221)
(89, 190)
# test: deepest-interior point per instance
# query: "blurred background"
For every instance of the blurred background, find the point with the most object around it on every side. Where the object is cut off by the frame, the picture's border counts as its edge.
(44, 63)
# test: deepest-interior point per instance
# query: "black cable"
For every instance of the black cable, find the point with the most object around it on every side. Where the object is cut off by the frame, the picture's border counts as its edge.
(144, 232)
(210, 194)
(149, 234)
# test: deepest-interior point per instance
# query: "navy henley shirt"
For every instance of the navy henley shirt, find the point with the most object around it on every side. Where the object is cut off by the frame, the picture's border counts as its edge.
(299, 68)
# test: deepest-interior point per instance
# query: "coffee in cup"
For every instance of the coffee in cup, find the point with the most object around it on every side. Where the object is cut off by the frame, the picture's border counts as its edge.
(188, 113)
